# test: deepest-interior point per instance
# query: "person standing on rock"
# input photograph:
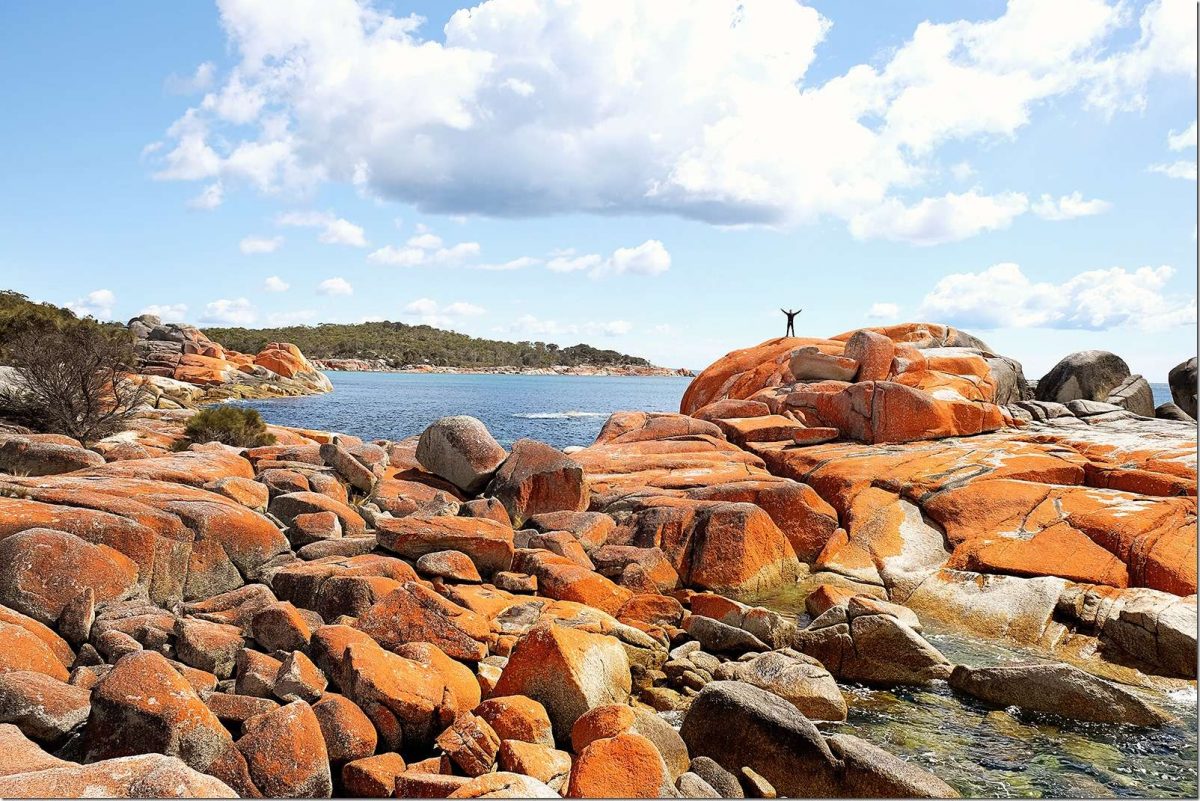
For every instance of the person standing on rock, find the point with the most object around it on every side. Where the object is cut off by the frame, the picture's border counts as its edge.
(791, 315)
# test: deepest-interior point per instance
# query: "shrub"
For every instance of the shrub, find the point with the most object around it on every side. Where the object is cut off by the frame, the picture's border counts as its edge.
(231, 425)
(73, 377)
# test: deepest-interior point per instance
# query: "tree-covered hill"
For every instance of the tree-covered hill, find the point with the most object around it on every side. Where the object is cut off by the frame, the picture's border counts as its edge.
(401, 344)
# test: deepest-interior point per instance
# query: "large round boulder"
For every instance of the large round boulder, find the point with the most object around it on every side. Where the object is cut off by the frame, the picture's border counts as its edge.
(461, 450)
(1182, 380)
(1086, 375)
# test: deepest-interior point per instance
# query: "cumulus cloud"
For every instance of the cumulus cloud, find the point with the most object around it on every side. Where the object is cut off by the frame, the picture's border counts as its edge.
(251, 245)
(333, 229)
(98, 303)
(335, 286)
(648, 258)
(429, 312)
(276, 284)
(933, 221)
(1184, 140)
(1002, 296)
(883, 311)
(470, 122)
(519, 263)
(1176, 169)
(225, 311)
(198, 81)
(168, 313)
(527, 325)
(424, 249)
(209, 198)
(1069, 207)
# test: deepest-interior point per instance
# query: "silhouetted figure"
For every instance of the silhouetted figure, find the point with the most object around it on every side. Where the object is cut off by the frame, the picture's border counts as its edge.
(791, 315)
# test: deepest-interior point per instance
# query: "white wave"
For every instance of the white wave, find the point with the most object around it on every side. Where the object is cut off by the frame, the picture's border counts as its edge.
(559, 415)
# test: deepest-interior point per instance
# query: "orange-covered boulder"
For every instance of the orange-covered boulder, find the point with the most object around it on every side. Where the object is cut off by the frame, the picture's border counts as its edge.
(537, 478)
(415, 613)
(568, 671)
(283, 358)
(488, 543)
(285, 753)
(625, 766)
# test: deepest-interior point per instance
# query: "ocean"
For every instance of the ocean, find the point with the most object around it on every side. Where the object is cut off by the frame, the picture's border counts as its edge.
(559, 410)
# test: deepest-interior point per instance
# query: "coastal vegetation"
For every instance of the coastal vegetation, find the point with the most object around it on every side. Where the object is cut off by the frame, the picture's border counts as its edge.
(229, 425)
(73, 376)
(402, 344)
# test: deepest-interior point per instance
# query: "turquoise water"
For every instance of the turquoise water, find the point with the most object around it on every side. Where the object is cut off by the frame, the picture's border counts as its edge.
(560, 410)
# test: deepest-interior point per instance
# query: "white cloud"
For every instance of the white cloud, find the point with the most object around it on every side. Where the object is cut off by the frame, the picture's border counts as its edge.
(424, 254)
(429, 312)
(1003, 297)
(527, 325)
(334, 229)
(238, 312)
(209, 198)
(933, 221)
(276, 284)
(198, 81)
(513, 264)
(700, 108)
(98, 303)
(648, 258)
(1184, 140)
(1177, 169)
(883, 311)
(1069, 207)
(251, 245)
(962, 171)
(168, 313)
(335, 286)
(425, 241)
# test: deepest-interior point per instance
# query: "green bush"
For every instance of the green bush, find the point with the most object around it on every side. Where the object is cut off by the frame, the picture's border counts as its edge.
(231, 425)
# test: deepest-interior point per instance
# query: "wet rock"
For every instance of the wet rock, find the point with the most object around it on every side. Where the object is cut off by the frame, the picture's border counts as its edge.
(612, 720)
(625, 766)
(568, 671)
(27, 457)
(794, 677)
(871, 772)
(721, 780)
(873, 648)
(285, 753)
(44, 708)
(536, 479)
(719, 637)
(1056, 689)
(41, 570)
(461, 450)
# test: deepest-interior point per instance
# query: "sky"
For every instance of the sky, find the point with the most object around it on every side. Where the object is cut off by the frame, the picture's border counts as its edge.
(654, 177)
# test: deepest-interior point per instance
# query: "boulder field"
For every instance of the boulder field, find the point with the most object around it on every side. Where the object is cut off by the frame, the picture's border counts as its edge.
(183, 367)
(442, 617)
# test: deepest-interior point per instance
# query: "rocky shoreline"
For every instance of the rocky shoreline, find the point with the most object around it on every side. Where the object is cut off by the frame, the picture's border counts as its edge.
(440, 617)
(382, 366)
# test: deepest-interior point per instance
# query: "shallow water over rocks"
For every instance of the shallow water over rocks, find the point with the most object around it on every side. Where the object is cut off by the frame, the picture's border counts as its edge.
(982, 751)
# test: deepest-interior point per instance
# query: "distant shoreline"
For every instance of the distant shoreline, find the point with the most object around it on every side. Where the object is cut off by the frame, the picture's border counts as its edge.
(586, 370)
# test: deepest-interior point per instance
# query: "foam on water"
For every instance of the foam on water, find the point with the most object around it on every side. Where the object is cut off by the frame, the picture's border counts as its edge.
(560, 415)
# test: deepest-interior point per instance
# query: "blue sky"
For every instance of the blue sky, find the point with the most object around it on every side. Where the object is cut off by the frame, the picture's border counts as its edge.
(657, 178)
